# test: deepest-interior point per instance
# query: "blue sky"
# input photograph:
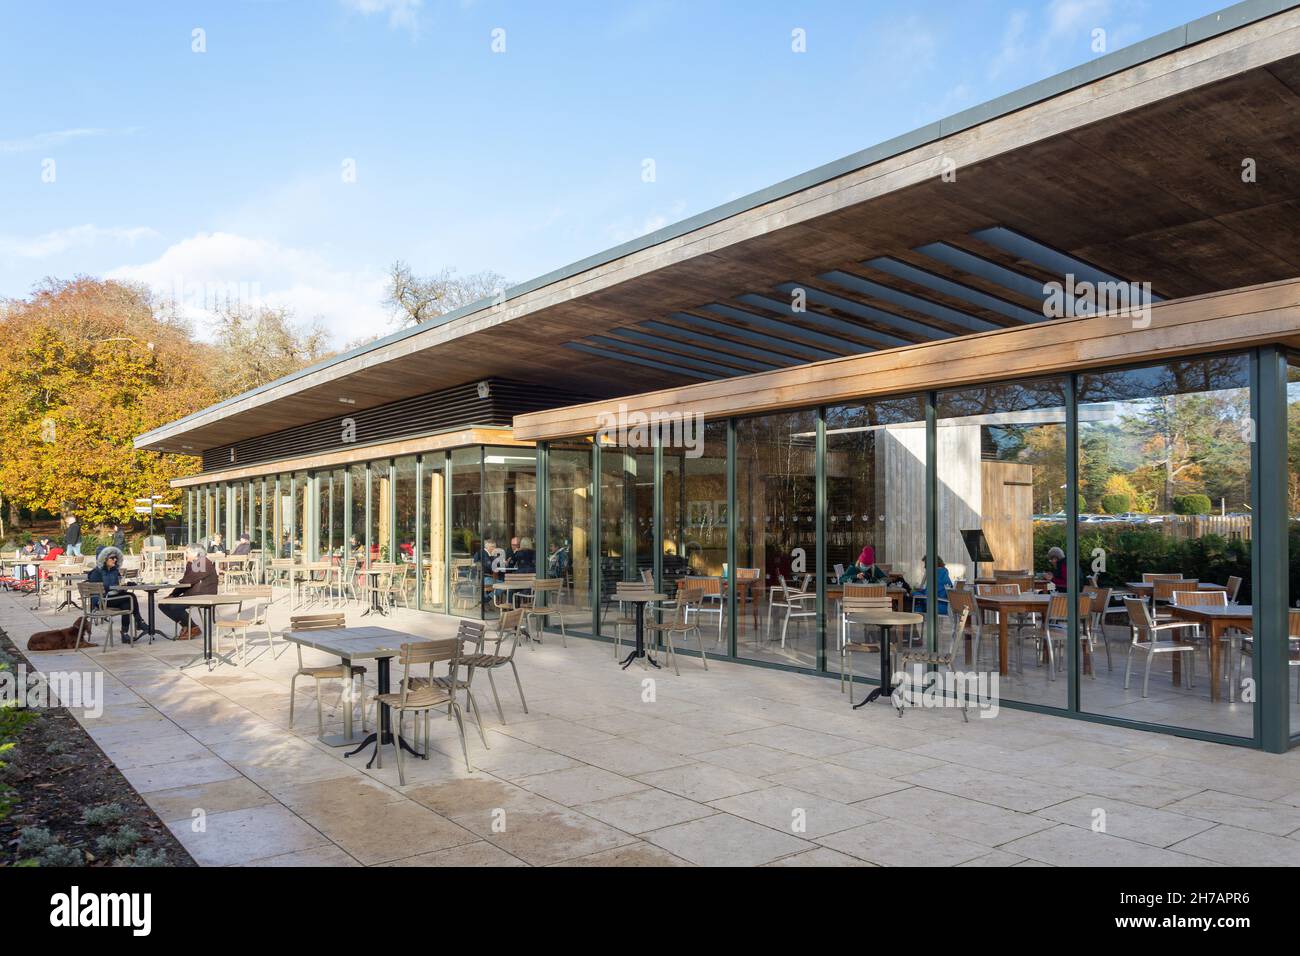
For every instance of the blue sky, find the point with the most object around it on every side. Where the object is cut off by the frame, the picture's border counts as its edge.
(226, 169)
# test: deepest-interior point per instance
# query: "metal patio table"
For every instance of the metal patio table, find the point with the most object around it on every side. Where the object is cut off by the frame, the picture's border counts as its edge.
(640, 600)
(358, 644)
(886, 621)
(151, 589)
(207, 605)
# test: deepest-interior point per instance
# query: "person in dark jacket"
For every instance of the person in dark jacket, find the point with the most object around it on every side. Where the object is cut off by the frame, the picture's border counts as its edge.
(244, 545)
(119, 536)
(108, 572)
(217, 545)
(72, 537)
(200, 577)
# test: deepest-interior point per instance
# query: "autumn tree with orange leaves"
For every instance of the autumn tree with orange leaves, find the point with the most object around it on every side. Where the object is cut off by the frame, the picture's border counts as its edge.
(85, 366)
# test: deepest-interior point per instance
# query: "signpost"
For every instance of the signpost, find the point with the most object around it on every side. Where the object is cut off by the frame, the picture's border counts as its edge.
(147, 506)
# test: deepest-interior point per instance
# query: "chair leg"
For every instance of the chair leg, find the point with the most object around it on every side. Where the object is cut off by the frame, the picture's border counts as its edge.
(464, 745)
(496, 697)
(672, 652)
(473, 705)
(849, 657)
(519, 685)
(699, 637)
(1128, 666)
(320, 716)
(292, 696)
(1146, 677)
(397, 746)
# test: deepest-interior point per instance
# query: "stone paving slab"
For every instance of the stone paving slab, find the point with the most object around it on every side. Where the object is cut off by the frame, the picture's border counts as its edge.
(738, 766)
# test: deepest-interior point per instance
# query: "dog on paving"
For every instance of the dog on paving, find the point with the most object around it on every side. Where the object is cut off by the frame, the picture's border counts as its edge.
(61, 639)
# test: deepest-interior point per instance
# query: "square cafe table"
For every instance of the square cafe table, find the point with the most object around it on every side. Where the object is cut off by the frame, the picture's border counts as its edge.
(1004, 605)
(1216, 620)
(207, 605)
(358, 644)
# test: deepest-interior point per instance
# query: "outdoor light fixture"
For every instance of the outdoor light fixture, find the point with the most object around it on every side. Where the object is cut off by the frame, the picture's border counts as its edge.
(347, 401)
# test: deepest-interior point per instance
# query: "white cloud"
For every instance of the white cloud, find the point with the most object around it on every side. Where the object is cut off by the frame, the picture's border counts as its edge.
(56, 138)
(402, 14)
(58, 241)
(1012, 50)
(207, 270)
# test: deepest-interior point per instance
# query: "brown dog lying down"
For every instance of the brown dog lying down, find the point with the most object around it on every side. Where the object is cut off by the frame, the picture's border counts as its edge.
(63, 639)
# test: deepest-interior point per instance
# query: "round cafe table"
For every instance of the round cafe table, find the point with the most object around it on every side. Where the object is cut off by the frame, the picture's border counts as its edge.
(639, 600)
(886, 621)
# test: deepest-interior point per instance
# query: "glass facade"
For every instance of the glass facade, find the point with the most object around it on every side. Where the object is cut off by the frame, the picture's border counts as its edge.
(1063, 506)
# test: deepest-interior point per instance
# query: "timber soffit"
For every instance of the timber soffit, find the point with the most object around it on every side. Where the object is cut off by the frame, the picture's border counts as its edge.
(1197, 31)
(1215, 321)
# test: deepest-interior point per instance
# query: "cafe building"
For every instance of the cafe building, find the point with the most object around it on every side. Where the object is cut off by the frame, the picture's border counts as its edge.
(1064, 319)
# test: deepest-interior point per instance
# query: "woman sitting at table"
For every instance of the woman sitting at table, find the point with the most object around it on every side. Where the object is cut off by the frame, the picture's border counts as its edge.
(200, 577)
(108, 572)
(1057, 568)
(864, 570)
(941, 590)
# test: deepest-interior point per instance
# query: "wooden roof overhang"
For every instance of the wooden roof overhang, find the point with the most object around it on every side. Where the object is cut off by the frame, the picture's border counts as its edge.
(1215, 322)
(1130, 167)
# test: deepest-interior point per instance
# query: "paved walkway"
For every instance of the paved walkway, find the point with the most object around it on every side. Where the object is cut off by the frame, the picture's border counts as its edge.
(737, 766)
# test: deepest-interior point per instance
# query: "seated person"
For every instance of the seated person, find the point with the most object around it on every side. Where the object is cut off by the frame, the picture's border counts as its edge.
(217, 545)
(1057, 568)
(200, 577)
(244, 545)
(108, 572)
(864, 570)
(525, 558)
(941, 591)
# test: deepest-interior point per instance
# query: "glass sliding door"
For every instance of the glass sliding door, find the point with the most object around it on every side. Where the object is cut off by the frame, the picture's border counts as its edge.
(776, 537)
(875, 506)
(510, 504)
(626, 523)
(1001, 477)
(381, 511)
(330, 508)
(1293, 530)
(569, 529)
(433, 542)
(356, 514)
(405, 529)
(694, 536)
(475, 561)
(1165, 473)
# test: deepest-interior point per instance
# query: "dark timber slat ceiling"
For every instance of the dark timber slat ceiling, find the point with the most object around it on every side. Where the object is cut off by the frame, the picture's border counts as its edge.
(1152, 193)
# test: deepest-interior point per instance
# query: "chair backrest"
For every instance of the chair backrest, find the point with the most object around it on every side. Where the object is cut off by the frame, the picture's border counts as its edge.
(90, 589)
(703, 585)
(647, 576)
(748, 574)
(471, 632)
(853, 604)
(1234, 585)
(1150, 577)
(997, 589)
(525, 577)
(1058, 607)
(960, 600)
(1139, 615)
(865, 590)
(960, 614)
(1164, 588)
(839, 571)
(429, 652)
(1100, 599)
(317, 622)
(1200, 598)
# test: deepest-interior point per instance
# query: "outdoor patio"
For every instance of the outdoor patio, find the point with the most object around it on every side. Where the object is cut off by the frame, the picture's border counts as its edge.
(736, 766)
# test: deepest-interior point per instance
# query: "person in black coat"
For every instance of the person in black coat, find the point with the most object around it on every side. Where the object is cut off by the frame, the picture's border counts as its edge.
(108, 572)
(72, 537)
(119, 536)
